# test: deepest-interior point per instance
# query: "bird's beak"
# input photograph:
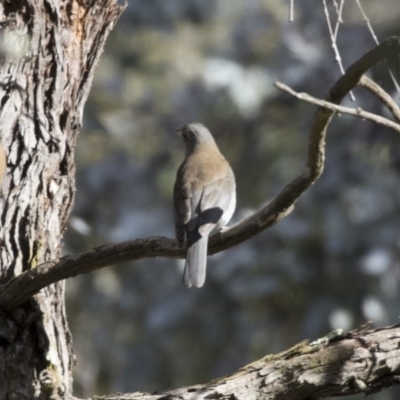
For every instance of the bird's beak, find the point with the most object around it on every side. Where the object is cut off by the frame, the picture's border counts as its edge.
(179, 132)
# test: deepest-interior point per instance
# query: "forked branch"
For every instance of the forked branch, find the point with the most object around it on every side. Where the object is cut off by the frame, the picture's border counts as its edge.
(18, 289)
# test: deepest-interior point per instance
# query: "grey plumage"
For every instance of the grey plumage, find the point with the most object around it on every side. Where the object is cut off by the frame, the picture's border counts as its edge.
(204, 198)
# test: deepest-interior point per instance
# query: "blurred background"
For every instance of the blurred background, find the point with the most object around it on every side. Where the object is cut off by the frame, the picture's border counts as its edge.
(334, 262)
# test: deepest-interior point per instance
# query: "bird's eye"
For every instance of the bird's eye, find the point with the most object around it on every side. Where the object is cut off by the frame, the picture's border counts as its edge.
(185, 135)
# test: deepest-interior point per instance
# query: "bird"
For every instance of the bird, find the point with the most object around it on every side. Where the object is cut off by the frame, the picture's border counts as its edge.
(204, 198)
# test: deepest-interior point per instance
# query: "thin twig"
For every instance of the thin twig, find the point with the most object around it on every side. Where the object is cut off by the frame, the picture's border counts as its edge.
(357, 112)
(394, 80)
(339, 19)
(367, 20)
(335, 4)
(291, 11)
(369, 25)
(333, 41)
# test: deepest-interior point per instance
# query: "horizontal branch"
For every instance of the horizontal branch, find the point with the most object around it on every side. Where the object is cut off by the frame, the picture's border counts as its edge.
(361, 361)
(17, 290)
(357, 112)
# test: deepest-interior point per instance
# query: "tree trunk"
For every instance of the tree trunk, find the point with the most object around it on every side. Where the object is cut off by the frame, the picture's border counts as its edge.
(49, 50)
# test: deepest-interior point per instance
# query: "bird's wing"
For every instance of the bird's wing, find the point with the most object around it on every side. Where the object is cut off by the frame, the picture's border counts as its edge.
(182, 211)
(198, 209)
(216, 199)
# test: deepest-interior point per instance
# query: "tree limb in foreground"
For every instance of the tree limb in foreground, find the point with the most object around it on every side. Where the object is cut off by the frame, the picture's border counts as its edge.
(18, 289)
(361, 361)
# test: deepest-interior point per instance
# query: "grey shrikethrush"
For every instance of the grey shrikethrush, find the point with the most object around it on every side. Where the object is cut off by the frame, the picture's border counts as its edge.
(204, 198)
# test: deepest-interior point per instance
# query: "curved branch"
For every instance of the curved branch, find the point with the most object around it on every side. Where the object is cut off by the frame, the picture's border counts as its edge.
(20, 288)
(382, 95)
(362, 361)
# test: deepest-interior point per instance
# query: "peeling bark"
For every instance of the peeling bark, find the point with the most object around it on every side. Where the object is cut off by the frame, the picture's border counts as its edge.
(49, 50)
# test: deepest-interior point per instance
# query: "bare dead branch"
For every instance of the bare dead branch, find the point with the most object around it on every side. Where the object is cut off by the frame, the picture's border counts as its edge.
(368, 22)
(382, 95)
(20, 288)
(291, 11)
(333, 35)
(357, 112)
(362, 361)
(336, 6)
(339, 19)
(372, 32)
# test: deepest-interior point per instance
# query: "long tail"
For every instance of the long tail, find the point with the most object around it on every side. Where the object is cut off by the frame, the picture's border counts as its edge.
(195, 266)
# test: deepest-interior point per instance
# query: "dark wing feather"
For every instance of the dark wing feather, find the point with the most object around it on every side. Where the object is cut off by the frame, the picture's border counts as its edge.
(182, 212)
(187, 210)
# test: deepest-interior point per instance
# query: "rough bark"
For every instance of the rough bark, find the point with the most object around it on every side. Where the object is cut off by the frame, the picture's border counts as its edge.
(360, 361)
(49, 50)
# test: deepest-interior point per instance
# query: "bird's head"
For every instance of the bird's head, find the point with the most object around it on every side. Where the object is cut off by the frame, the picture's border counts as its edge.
(195, 135)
